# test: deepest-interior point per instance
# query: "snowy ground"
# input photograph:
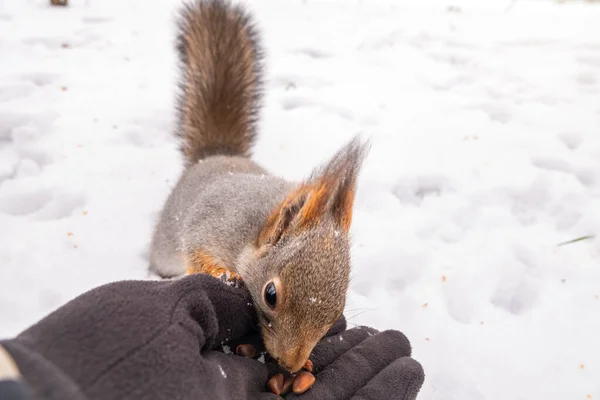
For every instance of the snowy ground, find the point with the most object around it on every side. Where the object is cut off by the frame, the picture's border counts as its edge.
(485, 122)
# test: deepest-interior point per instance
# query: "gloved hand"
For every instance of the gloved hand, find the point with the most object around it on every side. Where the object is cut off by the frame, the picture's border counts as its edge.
(359, 363)
(362, 363)
(157, 340)
(143, 340)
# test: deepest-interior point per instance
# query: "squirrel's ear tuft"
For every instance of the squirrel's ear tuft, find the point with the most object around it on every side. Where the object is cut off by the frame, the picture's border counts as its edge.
(329, 192)
(340, 176)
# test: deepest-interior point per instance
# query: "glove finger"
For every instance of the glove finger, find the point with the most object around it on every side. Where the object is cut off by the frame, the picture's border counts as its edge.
(356, 367)
(331, 348)
(213, 309)
(339, 326)
(400, 380)
(241, 377)
(173, 363)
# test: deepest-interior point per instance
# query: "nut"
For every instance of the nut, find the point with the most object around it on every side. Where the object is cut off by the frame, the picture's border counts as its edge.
(308, 365)
(275, 384)
(245, 350)
(302, 382)
(287, 384)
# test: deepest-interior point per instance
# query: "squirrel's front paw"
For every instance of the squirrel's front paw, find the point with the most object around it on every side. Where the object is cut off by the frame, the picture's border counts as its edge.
(217, 271)
(232, 280)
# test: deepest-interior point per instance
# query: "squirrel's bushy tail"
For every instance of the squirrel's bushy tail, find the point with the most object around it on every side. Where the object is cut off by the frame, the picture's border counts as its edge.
(221, 88)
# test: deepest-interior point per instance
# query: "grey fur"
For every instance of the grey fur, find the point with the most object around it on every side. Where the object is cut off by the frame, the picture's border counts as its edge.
(220, 204)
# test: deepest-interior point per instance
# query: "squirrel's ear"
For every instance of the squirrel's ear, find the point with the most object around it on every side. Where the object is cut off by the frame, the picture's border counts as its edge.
(281, 219)
(329, 192)
(340, 176)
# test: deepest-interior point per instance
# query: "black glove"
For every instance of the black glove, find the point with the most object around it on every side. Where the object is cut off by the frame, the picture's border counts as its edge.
(362, 363)
(143, 340)
(359, 363)
(157, 340)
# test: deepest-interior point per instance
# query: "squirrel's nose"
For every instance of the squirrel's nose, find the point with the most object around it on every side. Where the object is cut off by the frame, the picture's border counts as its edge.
(294, 359)
(291, 368)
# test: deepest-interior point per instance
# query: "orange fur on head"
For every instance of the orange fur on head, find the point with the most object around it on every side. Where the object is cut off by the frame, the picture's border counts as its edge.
(201, 262)
(316, 201)
(306, 207)
(347, 206)
(327, 195)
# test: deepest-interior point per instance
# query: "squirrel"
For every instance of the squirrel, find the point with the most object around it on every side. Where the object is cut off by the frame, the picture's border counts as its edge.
(287, 241)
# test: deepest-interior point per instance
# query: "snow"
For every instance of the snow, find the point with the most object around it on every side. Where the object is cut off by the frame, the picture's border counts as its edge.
(261, 359)
(484, 118)
(222, 371)
(227, 349)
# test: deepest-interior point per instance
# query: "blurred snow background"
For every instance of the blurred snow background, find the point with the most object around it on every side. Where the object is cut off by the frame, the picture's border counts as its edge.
(485, 123)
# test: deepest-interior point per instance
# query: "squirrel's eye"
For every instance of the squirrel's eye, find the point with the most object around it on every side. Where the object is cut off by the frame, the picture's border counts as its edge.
(271, 295)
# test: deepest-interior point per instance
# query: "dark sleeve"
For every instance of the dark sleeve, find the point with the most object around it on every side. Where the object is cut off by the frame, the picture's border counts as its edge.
(41, 378)
(13, 390)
